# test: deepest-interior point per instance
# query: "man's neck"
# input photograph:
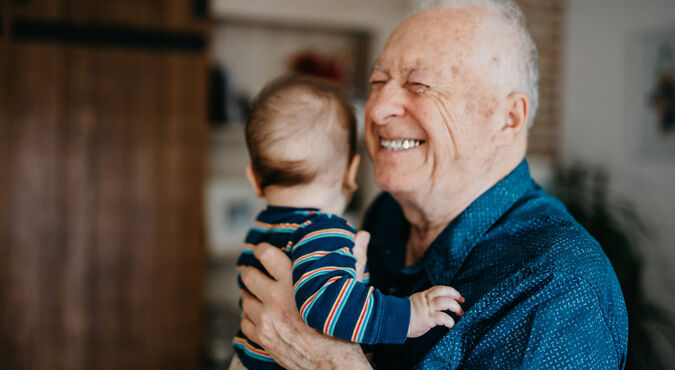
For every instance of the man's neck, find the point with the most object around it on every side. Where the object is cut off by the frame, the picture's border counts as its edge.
(433, 212)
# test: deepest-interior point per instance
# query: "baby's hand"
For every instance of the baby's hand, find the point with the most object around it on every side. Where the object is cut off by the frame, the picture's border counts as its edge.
(426, 309)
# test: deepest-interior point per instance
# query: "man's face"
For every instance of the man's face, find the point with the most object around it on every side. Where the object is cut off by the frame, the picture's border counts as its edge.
(431, 111)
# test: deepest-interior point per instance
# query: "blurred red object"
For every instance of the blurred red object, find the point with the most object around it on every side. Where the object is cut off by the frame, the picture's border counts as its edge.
(311, 63)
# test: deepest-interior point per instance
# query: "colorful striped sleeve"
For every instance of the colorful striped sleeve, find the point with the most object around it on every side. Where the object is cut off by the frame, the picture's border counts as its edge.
(326, 291)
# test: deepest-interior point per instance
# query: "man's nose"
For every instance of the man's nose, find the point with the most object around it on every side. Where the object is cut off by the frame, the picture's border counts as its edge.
(387, 103)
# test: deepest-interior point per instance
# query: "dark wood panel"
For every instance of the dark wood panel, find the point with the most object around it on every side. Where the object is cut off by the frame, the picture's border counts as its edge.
(104, 259)
(5, 343)
(146, 107)
(166, 14)
(111, 257)
(81, 140)
(43, 9)
(102, 169)
(182, 184)
(36, 232)
(107, 36)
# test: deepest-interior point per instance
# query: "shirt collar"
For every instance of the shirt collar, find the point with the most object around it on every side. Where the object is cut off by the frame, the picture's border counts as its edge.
(448, 252)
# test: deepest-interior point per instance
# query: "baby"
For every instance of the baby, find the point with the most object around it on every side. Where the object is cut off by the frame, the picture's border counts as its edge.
(301, 138)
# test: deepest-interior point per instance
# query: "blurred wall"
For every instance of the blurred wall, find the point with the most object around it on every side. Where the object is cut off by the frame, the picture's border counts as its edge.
(379, 17)
(600, 127)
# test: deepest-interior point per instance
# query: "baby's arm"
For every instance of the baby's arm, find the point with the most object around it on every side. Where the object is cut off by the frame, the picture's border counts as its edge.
(426, 309)
(330, 298)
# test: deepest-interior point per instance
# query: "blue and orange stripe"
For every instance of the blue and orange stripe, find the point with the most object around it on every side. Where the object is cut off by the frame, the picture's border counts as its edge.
(309, 303)
(344, 251)
(338, 305)
(321, 271)
(307, 212)
(319, 234)
(263, 227)
(248, 248)
(364, 317)
(248, 348)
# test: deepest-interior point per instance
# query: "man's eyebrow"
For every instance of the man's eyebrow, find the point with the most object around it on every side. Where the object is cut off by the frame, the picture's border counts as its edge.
(406, 71)
(418, 67)
(378, 67)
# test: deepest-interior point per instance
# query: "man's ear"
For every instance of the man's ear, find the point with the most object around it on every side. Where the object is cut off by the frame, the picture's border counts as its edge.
(515, 119)
(250, 175)
(350, 173)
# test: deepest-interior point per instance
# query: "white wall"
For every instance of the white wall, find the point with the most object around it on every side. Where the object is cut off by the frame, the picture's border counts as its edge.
(599, 124)
(379, 17)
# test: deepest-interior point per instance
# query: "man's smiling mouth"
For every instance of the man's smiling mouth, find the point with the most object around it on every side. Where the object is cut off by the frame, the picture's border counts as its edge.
(400, 144)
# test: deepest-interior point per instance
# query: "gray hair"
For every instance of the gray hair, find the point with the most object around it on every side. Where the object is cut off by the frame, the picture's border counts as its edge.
(528, 65)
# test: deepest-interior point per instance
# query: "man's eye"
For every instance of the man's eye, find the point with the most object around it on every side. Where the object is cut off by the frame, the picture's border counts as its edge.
(377, 82)
(417, 88)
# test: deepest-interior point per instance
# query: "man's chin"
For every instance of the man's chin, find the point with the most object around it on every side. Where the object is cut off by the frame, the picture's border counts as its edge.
(395, 183)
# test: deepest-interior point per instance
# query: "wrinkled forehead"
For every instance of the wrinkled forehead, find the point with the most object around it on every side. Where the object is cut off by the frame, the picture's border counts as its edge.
(433, 39)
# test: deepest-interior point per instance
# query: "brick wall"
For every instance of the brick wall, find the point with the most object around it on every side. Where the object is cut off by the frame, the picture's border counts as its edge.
(545, 21)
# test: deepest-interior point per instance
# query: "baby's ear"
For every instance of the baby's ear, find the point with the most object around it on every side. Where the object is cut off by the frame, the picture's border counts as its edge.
(250, 175)
(350, 174)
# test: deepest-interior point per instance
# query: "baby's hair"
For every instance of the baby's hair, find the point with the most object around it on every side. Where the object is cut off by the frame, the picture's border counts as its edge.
(301, 128)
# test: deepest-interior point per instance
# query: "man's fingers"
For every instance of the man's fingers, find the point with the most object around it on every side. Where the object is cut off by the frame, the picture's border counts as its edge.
(251, 307)
(274, 260)
(249, 329)
(444, 319)
(361, 252)
(442, 290)
(361, 241)
(255, 281)
(446, 304)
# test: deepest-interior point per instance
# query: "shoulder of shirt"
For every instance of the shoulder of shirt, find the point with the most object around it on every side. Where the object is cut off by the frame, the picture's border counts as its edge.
(540, 224)
(331, 220)
(555, 244)
(540, 231)
(319, 220)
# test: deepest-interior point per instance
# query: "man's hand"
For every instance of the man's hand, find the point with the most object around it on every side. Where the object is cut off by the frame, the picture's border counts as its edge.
(360, 251)
(426, 309)
(271, 319)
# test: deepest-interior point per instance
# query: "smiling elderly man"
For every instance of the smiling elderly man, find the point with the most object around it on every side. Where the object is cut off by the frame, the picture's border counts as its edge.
(453, 94)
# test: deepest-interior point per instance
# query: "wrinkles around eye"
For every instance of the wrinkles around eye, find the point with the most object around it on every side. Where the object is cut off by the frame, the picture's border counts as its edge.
(417, 87)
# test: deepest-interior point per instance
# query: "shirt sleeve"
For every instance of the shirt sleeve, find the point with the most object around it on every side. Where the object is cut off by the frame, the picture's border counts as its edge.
(553, 321)
(327, 294)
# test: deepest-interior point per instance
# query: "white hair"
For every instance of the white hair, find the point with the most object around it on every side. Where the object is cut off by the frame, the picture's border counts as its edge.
(527, 58)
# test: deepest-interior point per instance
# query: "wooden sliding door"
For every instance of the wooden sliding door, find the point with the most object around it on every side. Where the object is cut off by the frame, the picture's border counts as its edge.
(102, 157)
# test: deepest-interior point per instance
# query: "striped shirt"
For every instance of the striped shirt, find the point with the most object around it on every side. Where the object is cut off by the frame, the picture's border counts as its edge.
(327, 294)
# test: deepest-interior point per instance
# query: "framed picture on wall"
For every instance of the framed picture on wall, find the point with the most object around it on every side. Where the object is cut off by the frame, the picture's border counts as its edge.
(651, 93)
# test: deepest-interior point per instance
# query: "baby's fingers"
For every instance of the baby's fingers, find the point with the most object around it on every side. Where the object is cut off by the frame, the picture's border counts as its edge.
(446, 304)
(442, 290)
(441, 318)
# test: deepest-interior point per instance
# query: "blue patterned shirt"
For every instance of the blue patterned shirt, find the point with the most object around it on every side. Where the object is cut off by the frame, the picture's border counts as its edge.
(540, 293)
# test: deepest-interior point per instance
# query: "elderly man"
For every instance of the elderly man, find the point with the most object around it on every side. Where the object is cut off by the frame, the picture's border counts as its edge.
(453, 93)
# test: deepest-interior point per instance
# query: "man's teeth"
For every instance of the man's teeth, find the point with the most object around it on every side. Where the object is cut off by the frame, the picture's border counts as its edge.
(399, 144)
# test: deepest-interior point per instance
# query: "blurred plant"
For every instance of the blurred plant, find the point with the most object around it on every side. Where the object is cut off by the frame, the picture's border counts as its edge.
(618, 227)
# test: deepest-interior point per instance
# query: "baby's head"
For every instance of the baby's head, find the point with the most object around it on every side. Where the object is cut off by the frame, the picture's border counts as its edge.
(301, 133)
